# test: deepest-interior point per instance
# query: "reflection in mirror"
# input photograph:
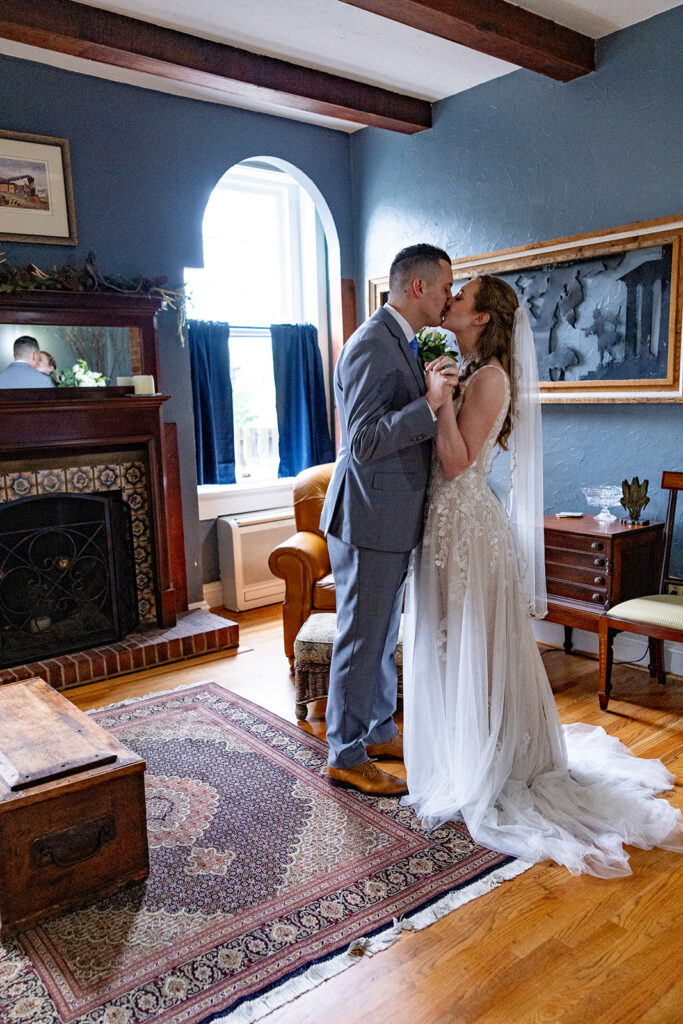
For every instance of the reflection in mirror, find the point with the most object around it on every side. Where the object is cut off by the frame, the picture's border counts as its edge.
(105, 349)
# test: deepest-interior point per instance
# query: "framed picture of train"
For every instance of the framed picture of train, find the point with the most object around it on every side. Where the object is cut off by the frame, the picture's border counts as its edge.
(36, 196)
(605, 309)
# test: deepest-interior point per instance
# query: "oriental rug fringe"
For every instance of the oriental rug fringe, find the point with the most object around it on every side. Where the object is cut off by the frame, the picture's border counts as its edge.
(264, 880)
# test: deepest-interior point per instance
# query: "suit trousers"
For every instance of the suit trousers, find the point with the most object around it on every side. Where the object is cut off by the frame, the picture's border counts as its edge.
(362, 694)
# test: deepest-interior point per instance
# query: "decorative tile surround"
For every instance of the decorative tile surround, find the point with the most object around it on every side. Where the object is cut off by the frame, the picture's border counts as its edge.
(113, 471)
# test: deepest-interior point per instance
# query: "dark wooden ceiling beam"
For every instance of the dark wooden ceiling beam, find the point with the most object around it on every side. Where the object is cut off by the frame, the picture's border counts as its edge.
(497, 28)
(94, 34)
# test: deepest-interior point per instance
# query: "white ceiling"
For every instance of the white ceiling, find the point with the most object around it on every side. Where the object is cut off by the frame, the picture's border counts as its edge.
(336, 37)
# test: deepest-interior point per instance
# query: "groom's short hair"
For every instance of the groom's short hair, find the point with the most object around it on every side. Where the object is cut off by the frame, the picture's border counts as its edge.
(24, 347)
(415, 261)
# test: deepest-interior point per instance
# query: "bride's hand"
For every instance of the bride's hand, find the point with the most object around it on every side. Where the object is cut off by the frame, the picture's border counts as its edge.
(446, 368)
(447, 371)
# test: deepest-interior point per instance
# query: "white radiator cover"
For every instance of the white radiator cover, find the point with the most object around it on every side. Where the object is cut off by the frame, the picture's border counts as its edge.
(244, 546)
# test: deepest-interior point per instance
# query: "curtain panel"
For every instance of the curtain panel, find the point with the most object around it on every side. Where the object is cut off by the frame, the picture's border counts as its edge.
(303, 427)
(212, 400)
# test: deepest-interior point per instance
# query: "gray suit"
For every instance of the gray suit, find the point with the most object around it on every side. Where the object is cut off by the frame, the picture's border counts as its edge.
(373, 519)
(22, 375)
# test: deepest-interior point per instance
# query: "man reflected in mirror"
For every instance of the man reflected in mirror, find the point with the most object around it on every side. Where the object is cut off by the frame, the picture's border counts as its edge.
(24, 371)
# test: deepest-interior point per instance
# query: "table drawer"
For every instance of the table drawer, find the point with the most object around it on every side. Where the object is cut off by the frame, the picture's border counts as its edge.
(578, 542)
(588, 560)
(589, 576)
(577, 591)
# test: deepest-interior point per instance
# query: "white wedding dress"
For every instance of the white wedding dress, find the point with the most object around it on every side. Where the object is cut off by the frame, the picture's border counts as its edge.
(482, 737)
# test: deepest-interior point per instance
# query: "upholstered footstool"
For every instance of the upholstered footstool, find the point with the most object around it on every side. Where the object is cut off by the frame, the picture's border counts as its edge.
(312, 656)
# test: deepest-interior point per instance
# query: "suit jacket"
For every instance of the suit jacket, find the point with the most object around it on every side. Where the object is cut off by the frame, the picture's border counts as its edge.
(22, 375)
(377, 491)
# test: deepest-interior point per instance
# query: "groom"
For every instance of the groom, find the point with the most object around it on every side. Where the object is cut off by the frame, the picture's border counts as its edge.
(373, 510)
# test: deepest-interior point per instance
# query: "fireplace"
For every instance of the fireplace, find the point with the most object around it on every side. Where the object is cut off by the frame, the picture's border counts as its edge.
(92, 442)
(67, 574)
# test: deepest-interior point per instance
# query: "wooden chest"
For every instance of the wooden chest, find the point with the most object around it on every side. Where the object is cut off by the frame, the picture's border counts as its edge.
(591, 566)
(72, 807)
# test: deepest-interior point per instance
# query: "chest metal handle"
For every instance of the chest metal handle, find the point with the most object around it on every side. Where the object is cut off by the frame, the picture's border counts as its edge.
(596, 597)
(596, 545)
(599, 580)
(598, 561)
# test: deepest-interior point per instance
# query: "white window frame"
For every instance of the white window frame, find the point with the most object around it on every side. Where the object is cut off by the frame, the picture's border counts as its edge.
(311, 306)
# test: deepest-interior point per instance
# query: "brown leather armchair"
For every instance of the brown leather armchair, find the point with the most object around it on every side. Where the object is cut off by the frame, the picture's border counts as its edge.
(303, 561)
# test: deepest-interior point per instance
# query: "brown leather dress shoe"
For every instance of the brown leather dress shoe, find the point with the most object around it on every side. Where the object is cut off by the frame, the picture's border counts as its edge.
(368, 778)
(393, 748)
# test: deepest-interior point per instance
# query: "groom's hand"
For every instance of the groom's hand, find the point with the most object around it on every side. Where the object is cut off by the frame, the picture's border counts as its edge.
(440, 386)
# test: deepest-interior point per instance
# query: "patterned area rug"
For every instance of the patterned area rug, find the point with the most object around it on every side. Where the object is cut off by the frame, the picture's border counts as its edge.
(261, 874)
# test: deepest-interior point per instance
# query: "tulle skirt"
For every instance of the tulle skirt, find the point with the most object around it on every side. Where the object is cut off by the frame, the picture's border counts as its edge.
(482, 737)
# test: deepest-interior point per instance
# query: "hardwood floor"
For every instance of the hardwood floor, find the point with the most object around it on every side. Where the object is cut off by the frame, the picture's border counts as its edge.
(542, 948)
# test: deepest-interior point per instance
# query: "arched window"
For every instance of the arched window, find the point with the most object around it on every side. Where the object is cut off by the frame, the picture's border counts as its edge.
(264, 263)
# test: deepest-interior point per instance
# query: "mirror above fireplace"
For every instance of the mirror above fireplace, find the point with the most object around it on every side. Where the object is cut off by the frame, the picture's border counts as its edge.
(115, 332)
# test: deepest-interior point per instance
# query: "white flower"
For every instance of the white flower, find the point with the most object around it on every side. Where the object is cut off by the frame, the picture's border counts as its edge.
(81, 376)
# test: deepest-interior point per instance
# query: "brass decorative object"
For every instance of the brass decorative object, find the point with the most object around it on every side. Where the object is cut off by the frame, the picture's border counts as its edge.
(634, 501)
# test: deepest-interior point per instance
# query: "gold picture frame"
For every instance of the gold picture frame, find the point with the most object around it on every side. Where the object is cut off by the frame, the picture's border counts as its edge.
(605, 308)
(36, 194)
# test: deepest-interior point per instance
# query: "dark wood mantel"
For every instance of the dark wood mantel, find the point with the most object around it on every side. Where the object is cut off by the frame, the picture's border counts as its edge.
(52, 423)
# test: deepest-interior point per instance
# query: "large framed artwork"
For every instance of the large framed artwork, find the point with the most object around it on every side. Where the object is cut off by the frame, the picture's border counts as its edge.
(36, 197)
(605, 309)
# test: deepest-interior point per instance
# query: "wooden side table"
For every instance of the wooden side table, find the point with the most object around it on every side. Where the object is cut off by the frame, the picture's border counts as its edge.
(591, 565)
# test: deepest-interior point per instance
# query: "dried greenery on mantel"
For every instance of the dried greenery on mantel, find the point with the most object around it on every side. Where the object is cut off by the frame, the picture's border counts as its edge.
(89, 278)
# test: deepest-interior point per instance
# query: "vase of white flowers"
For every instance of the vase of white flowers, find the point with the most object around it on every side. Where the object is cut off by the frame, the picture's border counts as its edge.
(79, 376)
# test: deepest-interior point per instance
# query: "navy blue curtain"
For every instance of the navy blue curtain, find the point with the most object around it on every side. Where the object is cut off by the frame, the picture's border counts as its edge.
(214, 432)
(300, 398)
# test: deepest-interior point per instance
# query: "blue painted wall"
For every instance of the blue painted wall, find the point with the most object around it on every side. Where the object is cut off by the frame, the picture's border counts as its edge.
(522, 159)
(511, 162)
(144, 165)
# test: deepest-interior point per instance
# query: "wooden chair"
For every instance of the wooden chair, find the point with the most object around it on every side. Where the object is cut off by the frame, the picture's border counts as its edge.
(659, 616)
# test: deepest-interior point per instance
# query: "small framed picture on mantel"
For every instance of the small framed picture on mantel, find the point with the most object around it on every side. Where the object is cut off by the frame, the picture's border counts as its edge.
(36, 196)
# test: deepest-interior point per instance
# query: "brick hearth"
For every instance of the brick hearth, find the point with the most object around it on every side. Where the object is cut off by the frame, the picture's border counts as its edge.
(194, 633)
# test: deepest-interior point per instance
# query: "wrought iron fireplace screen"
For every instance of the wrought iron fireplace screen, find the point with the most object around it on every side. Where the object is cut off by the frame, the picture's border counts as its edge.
(67, 575)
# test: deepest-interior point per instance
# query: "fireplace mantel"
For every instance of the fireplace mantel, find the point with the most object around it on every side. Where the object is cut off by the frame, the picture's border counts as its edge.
(39, 422)
(44, 418)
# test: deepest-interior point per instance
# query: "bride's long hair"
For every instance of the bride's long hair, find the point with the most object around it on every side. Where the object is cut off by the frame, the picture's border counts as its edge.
(497, 298)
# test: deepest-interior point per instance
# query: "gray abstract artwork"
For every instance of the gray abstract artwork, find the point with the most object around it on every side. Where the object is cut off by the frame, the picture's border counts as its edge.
(600, 318)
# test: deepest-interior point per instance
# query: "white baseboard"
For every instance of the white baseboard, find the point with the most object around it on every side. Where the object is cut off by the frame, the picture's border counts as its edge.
(627, 647)
(213, 594)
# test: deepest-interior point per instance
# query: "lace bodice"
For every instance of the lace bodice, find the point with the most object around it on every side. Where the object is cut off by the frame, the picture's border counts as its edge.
(467, 496)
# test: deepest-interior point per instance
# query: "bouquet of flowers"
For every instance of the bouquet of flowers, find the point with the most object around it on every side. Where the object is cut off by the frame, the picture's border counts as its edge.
(79, 376)
(431, 343)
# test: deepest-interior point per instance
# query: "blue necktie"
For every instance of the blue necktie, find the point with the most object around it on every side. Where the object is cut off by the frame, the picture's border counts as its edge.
(413, 345)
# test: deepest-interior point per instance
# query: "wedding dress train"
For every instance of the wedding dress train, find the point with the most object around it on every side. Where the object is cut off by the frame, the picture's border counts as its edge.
(482, 737)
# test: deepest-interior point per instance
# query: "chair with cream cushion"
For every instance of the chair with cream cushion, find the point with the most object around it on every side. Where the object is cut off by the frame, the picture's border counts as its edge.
(659, 617)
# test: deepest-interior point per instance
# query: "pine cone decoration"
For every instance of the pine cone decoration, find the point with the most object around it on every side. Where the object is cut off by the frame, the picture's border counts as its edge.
(68, 278)
(23, 278)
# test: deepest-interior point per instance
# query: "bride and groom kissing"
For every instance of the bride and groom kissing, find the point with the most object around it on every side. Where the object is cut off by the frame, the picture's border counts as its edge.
(409, 500)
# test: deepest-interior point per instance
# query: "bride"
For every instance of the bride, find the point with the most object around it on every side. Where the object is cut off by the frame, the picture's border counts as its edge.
(482, 737)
